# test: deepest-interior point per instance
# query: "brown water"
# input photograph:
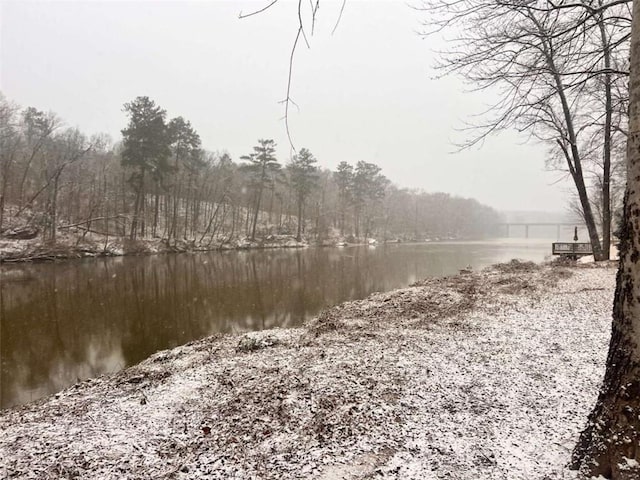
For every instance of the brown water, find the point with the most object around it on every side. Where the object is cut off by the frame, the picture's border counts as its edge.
(60, 323)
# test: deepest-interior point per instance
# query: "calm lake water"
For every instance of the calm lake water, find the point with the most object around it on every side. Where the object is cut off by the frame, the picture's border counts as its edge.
(60, 323)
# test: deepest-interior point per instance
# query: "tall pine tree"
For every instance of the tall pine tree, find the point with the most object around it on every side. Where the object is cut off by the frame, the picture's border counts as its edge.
(262, 166)
(304, 178)
(145, 151)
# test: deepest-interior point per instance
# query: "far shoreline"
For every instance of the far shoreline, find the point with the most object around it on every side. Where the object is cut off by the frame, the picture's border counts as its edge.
(15, 252)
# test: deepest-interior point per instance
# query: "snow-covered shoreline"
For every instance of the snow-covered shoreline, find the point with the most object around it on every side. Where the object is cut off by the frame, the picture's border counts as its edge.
(70, 247)
(73, 246)
(482, 376)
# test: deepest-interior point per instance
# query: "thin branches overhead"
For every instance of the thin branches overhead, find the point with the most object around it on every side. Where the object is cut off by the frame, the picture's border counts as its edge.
(309, 13)
(549, 69)
(256, 12)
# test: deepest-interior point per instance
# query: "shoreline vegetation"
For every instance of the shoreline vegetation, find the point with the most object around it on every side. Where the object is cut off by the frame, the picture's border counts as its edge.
(82, 245)
(69, 247)
(482, 375)
(158, 184)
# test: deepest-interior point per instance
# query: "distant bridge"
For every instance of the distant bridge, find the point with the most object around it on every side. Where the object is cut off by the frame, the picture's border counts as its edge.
(507, 226)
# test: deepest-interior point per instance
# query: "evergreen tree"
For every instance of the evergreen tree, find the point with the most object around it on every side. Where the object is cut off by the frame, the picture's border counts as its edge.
(145, 148)
(368, 190)
(187, 155)
(343, 177)
(262, 166)
(304, 178)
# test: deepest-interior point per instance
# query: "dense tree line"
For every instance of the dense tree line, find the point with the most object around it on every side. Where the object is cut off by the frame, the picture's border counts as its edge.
(158, 182)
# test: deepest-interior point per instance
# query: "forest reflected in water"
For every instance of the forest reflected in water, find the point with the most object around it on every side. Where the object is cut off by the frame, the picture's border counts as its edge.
(69, 321)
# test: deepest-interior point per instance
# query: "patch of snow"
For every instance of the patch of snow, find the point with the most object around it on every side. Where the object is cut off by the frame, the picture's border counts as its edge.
(114, 249)
(629, 464)
(489, 375)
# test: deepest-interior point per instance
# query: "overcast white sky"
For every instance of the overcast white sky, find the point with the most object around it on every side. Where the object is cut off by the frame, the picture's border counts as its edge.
(365, 93)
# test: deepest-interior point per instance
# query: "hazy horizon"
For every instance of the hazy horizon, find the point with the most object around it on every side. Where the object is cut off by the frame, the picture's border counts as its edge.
(365, 93)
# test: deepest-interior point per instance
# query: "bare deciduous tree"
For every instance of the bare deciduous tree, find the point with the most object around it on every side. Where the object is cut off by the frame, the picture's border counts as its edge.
(550, 68)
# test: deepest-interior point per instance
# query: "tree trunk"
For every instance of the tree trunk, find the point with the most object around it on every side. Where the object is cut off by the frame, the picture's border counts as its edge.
(606, 160)
(612, 433)
(54, 209)
(173, 232)
(247, 225)
(134, 220)
(143, 213)
(166, 231)
(25, 174)
(156, 209)
(6, 175)
(299, 235)
(255, 214)
(211, 220)
(234, 215)
(575, 159)
(610, 445)
(273, 194)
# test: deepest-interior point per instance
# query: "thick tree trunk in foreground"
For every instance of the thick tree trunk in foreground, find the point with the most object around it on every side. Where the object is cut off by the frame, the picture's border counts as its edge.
(612, 435)
(610, 445)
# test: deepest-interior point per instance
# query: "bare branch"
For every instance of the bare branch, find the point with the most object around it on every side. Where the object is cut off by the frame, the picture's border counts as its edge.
(301, 26)
(241, 15)
(335, 27)
(287, 101)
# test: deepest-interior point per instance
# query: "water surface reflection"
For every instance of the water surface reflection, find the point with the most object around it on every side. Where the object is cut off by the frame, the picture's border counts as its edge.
(74, 320)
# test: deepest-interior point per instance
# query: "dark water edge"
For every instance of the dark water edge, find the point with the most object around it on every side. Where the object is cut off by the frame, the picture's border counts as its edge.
(60, 323)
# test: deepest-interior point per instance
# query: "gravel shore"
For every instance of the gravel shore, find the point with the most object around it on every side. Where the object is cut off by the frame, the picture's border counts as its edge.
(486, 375)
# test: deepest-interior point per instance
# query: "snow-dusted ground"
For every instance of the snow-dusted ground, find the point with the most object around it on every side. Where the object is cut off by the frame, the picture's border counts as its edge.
(482, 376)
